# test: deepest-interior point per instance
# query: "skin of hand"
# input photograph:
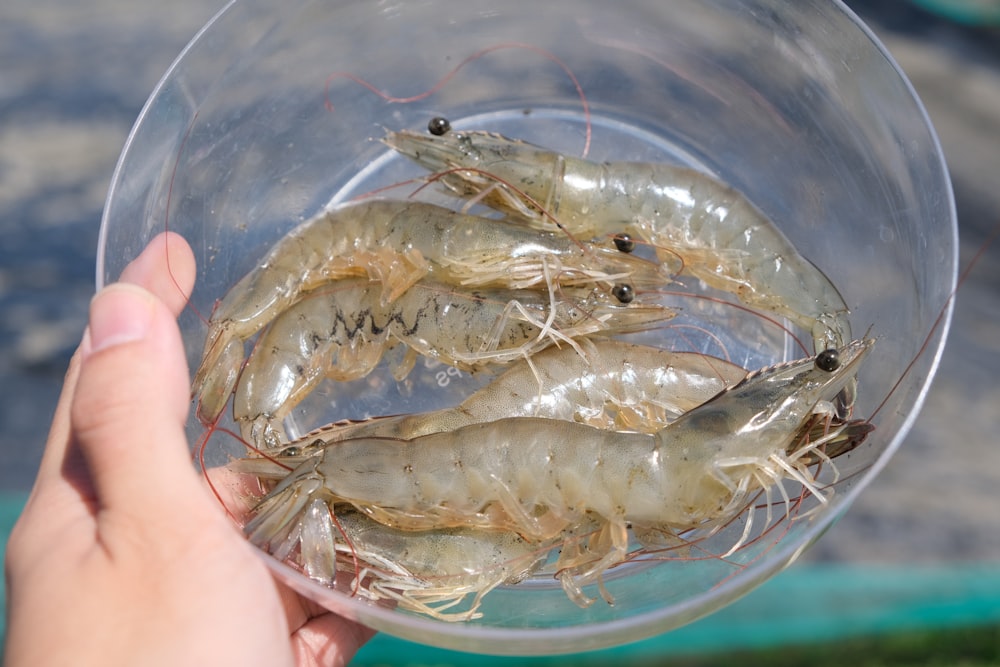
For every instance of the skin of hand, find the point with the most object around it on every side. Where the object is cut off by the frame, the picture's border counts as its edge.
(122, 556)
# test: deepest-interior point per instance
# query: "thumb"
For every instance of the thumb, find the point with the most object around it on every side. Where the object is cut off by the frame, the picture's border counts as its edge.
(131, 400)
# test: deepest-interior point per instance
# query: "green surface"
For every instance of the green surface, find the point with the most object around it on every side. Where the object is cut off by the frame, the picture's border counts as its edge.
(817, 607)
(815, 614)
(962, 647)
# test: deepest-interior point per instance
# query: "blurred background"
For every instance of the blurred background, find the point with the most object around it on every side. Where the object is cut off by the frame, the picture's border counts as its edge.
(911, 574)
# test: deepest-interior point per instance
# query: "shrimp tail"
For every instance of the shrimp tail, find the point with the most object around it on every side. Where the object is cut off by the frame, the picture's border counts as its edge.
(216, 377)
(294, 519)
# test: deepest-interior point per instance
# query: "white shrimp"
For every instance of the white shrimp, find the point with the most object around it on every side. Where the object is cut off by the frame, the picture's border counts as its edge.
(398, 243)
(541, 477)
(615, 385)
(343, 330)
(719, 235)
(429, 572)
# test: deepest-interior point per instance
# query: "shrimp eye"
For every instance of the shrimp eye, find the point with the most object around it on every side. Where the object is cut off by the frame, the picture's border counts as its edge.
(291, 451)
(438, 126)
(624, 242)
(828, 360)
(623, 292)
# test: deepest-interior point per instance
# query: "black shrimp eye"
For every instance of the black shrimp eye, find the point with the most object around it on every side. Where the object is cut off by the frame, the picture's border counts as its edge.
(623, 292)
(624, 242)
(828, 360)
(438, 126)
(291, 451)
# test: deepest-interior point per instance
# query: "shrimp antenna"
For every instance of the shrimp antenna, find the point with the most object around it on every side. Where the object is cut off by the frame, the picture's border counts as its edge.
(940, 317)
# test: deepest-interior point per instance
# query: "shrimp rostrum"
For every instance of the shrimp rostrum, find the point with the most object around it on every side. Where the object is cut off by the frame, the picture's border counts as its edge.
(398, 243)
(542, 479)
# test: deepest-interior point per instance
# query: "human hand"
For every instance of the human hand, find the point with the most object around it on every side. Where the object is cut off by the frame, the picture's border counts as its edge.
(121, 555)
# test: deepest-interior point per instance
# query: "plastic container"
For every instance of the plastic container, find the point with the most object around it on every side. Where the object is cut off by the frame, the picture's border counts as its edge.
(266, 117)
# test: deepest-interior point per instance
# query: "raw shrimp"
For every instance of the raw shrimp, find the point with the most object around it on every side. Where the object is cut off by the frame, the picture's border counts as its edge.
(397, 243)
(342, 331)
(542, 477)
(429, 572)
(719, 235)
(615, 385)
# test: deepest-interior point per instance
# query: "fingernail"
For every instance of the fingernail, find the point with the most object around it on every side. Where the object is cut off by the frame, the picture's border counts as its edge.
(120, 313)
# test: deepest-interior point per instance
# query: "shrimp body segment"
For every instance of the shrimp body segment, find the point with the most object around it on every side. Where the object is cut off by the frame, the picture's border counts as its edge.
(397, 243)
(719, 235)
(540, 478)
(343, 330)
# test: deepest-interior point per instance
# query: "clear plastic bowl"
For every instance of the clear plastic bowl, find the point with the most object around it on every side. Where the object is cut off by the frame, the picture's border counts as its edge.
(263, 120)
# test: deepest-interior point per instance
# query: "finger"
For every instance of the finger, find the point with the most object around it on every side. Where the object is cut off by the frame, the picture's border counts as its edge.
(166, 267)
(128, 414)
(329, 639)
